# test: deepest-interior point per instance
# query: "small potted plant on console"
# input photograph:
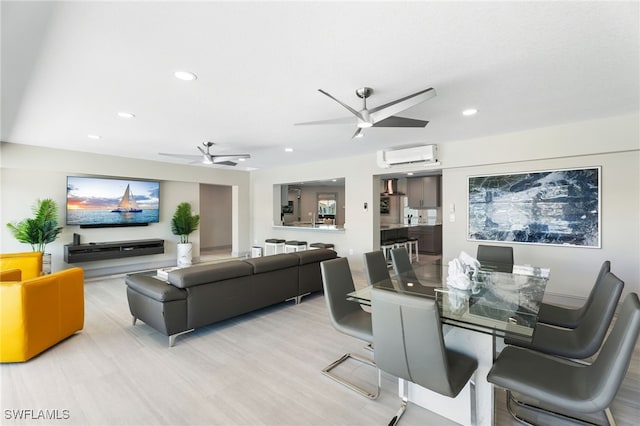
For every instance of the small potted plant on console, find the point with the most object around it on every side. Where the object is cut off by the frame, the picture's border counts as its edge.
(183, 224)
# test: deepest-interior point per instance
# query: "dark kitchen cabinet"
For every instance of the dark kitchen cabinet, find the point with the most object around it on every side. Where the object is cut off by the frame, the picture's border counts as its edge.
(429, 238)
(423, 192)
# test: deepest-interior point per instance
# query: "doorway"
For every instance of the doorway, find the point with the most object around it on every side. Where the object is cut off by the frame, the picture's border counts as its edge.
(215, 221)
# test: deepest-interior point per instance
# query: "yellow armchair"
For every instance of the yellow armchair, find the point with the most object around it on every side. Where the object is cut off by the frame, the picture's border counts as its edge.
(37, 313)
(30, 263)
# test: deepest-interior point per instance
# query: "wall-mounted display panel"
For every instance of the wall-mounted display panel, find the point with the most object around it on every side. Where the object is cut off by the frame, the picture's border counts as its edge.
(108, 202)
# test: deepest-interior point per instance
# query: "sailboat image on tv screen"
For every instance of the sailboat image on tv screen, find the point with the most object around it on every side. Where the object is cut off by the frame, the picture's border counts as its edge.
(127, 203)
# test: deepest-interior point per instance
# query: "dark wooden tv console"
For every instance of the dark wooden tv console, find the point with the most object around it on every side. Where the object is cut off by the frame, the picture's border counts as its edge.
(111, 250)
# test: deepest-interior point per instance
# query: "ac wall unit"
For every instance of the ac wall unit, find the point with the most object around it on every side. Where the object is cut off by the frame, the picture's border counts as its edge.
(418, 155)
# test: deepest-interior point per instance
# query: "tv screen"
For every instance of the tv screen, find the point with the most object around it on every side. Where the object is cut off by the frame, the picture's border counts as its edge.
(95, 202)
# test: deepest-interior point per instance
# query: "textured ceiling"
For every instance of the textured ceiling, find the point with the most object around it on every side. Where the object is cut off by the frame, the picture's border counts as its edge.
(68, 68)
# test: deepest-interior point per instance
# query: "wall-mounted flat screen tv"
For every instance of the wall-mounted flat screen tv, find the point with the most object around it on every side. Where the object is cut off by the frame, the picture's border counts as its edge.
(103, 202)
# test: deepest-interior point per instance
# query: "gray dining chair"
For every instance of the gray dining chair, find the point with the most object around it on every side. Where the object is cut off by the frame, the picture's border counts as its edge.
(563, 388)
(347, 317)
(402, 265)
(584, 340)
(409, 344)
(375, 267)
(571, 317)
(495, 258)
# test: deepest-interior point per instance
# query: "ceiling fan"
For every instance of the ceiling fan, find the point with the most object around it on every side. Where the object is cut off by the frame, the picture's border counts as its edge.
(380, 116)
(208, 158)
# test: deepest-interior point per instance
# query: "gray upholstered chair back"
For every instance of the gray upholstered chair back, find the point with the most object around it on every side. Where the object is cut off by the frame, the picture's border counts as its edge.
(564, 388)
(498, 258)
(402, 264)
(375, 267)
(596, 320)
(606, 267)
(571, 317)
(346, 316)
(408, 342)
(607, 372)
(586, 339)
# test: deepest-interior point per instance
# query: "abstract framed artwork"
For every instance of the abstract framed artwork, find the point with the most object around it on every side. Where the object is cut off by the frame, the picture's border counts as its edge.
(555, 207)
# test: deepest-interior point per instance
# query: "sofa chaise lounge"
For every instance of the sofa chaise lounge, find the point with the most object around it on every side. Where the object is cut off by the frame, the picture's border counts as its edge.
(201, 295)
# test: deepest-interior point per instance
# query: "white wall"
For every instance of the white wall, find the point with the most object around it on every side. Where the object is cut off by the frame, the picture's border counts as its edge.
(28, 173)
(613, 143)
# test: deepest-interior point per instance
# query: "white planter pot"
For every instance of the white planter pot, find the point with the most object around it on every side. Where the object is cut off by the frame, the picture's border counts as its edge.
(46, 263)
(185, 254)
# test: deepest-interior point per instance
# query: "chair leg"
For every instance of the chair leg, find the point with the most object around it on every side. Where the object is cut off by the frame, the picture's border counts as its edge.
(327, 372)
(511, 399)
(403, 404)
(609, 414)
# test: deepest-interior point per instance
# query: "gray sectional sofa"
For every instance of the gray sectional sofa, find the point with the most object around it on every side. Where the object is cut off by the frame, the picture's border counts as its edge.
(201, 295)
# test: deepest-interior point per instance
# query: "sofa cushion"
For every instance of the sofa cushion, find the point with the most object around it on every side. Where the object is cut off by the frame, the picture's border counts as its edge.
(311, 256)
(272, 263)
(207, 273)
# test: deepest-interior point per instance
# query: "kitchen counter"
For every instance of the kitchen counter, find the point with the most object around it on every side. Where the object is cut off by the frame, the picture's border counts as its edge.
(310, 227)
(401, 225)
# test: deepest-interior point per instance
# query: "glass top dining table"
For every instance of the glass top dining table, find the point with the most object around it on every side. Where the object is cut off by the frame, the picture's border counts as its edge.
(497, 303)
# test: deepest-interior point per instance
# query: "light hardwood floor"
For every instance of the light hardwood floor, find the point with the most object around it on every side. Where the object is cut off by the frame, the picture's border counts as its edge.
(259, 369)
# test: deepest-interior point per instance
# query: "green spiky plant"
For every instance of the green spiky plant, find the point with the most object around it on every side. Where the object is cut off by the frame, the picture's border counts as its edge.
(184, 222)
(40, 230)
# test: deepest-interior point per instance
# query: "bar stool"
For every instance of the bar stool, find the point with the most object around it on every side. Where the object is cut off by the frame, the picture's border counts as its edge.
(292, 246)
(315, 246)
(386, 247)
(401, 242)
(273, 246)
(412, 244)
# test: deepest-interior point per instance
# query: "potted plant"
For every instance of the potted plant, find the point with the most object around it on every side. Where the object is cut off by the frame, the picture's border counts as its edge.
(183, 224)
(40, 230)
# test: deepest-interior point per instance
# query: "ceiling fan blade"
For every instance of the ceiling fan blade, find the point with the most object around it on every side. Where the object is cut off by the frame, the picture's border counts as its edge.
(226, 163)
(358, 133)
(353, 111)
(345, 120)
(395, 121)
(381, 112)
(184, 156)
(223, 158)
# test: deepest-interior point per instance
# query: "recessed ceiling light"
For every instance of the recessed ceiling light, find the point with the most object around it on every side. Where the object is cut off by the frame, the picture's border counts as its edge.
(288, 150)
(242, 159)
(185, 75)
(123, 114)
(469, 112)
(410, 173)
(92, 136)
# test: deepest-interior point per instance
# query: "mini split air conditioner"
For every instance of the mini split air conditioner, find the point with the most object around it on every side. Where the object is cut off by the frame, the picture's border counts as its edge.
(409, 156)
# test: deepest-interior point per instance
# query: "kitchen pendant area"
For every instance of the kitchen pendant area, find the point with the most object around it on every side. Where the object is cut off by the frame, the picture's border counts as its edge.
(411, 207)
